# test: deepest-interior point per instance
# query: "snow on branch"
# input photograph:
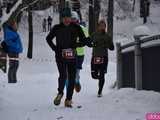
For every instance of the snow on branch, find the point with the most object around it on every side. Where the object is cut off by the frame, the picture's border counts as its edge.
(27, 6)
(125, 5)
(6, 16)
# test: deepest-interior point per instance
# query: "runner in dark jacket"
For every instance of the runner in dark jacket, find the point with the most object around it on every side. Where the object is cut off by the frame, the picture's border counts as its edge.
(66, 34)
(101, 43)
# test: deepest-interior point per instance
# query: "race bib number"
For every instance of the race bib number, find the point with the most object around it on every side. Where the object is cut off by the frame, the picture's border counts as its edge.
(98, 60)
(68, 54)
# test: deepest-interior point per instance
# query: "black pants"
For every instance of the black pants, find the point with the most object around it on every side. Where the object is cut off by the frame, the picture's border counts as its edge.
(67, 71)
(44, 28)
(79, 61)
(49, 26)
(13, 67)
(98, 72)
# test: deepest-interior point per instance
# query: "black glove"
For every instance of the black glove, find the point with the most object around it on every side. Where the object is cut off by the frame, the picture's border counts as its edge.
(88, 42)
(111, 46)
(4, 46)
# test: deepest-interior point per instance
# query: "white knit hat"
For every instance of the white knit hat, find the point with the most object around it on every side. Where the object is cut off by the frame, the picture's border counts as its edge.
(75, 15)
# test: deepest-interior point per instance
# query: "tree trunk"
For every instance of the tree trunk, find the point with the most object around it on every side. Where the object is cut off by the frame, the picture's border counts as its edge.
(1, 9)
(110, 18)
(133, 8)
(91, 17)
(30, 43)
(11, 15)
(61, 6)
(97, 9)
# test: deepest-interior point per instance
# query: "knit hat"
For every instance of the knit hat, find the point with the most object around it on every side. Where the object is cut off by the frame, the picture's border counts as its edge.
(66, 12)
(75, 15)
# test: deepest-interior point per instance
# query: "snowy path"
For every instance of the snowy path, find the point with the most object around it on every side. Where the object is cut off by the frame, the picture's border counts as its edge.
(32, 97)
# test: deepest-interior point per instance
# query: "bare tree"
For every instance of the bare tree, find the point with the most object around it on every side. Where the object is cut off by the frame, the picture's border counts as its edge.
(91, 17)
(6, 16)
(94, 12)
(97, 8)
(110, 18)
(61, 6)
(133, 8)
(30, 25)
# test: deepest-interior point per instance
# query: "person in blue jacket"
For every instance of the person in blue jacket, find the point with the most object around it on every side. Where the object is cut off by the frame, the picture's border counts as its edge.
(13, 47)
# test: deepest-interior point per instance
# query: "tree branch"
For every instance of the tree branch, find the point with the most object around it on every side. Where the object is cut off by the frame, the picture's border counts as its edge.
(27, 6)
(6, 16)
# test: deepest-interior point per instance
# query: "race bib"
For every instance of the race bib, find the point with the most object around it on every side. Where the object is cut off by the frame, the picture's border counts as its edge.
(98, 60)
(68, 53)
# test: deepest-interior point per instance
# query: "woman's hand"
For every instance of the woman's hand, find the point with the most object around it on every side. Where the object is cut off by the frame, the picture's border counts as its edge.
(111, 46)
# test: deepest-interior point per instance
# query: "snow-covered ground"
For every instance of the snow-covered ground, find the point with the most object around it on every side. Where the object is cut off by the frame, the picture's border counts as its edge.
(32, 97)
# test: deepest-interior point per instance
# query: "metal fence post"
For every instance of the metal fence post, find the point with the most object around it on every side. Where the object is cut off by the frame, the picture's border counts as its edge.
(138, 63)
(119, 65)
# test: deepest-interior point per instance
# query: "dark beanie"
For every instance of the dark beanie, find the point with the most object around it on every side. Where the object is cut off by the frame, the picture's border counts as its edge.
(66, 12)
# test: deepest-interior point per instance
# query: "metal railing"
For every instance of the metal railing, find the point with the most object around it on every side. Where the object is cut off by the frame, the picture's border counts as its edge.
(137, 44)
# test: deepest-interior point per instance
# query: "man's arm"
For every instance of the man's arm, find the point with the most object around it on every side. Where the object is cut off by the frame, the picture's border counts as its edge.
(50, 37)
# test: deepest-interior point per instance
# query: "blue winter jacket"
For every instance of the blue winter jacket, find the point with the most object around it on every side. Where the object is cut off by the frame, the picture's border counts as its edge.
(12, 40)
